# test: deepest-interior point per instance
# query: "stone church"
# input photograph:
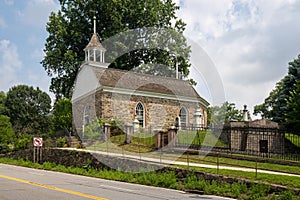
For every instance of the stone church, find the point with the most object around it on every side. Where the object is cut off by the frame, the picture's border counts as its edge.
(130, 97)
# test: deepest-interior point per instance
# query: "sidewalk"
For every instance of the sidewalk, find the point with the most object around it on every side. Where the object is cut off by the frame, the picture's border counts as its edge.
(172, 162)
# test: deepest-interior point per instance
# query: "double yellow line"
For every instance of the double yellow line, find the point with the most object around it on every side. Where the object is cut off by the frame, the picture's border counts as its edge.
(52, 188)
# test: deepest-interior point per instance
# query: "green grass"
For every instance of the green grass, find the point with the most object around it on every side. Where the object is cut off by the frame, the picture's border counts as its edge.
(289, 181)
(169, 180)
(293, 138)
(205, 138)
(141, 143)
(241, 163)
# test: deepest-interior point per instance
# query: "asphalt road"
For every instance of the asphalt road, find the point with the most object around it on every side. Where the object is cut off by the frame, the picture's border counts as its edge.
(20, 183)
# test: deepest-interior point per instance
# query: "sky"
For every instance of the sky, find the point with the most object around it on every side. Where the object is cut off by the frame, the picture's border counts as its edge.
(249, 41)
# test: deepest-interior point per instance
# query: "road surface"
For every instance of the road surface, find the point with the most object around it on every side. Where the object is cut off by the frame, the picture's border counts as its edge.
(20, 183)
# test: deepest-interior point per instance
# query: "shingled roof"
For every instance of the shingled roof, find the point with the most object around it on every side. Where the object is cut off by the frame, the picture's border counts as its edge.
(115, 78)
(94, 42)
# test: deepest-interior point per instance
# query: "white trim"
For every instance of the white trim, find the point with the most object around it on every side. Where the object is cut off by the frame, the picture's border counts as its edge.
(152, 94)
(141, 93)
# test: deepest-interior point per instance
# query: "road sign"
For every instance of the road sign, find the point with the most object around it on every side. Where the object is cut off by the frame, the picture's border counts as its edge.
(37, 142)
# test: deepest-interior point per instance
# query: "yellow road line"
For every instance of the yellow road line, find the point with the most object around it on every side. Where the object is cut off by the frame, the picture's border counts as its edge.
(53, 188)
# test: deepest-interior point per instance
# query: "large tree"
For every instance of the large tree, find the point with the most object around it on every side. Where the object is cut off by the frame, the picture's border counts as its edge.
(28, 109)
(7, 134)
(71, 27)
(3, 109)
(62, 116)
(293, 107)
(225, 113)
(275, 106)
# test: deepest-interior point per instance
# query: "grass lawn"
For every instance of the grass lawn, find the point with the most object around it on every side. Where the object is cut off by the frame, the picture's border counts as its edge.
(200, 137)
(293, 138)
(289, 181)
(240, 163)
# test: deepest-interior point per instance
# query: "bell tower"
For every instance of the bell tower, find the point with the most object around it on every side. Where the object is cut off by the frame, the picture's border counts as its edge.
(94, 51)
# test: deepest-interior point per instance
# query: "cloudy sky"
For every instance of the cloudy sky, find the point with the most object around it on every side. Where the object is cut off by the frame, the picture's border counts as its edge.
(249, 41)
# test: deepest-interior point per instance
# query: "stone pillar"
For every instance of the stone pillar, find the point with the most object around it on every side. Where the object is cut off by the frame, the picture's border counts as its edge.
(157, 137)
(106, 131)
(177, 122)
(172, 137)
(245, 114)
(136, 125)
(197, 118)
(128, 134)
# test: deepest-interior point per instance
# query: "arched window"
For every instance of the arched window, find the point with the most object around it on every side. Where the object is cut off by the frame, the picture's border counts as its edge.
(183, 118)
(140, 114)
(86, 115)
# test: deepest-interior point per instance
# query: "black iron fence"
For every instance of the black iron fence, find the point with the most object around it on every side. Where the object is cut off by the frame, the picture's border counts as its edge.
(273, 143)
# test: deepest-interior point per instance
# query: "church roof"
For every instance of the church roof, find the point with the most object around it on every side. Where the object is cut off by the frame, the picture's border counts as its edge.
(94, 42)
(127, 80)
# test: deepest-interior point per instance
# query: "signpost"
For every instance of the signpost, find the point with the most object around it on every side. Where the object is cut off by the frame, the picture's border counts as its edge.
(37, 149)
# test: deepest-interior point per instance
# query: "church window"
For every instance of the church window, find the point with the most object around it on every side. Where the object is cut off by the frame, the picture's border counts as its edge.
(140, 114)
(183, 118)
(86, 115)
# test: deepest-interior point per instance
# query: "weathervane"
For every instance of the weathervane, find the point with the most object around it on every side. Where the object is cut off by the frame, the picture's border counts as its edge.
(94, 19)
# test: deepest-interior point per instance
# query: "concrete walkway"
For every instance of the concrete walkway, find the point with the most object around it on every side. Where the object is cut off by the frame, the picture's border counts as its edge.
(172, 162)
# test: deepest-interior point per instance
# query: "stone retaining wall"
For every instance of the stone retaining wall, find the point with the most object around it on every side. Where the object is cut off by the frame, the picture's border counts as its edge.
(85, 159)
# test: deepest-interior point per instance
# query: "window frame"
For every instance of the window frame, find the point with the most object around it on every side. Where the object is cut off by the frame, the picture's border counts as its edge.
(140, 118)
(183, 120)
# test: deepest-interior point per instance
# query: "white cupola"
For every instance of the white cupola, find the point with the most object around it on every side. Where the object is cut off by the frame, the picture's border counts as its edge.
(94, 51)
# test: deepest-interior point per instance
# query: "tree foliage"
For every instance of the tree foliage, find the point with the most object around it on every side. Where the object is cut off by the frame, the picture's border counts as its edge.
(3, 109)
(62, 115)
(7, 134)
(224, 114)
(70, 30)
(275, 106)
(293, 106)
(28, 109)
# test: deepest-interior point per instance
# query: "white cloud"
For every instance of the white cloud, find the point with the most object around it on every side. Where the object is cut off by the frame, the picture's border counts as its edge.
(36, 12)
(9, 64)
(251, 42)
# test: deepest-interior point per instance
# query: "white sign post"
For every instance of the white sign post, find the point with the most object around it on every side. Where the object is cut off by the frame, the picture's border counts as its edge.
(37, 149)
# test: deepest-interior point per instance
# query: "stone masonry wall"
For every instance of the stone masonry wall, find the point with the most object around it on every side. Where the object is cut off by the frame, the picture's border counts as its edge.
(247, 136)
(159, 112)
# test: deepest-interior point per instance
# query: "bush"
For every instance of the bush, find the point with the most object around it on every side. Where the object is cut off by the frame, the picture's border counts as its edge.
(286, 195)
(61, 142)
(238, 189)
(23, 142)
(4, 148)
(258, 191)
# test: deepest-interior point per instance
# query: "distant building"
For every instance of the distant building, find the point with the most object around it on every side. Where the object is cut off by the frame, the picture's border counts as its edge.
(254, 137)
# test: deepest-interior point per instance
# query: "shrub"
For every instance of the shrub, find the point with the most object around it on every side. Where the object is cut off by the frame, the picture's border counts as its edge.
(23, 142)
(286, 195)
(238, 189)
(4, 148)
(61, 142)
(258, 191)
